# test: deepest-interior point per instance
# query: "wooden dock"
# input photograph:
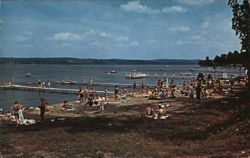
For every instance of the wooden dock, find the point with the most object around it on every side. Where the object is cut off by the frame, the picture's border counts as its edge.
(99, 84)
(44, 89)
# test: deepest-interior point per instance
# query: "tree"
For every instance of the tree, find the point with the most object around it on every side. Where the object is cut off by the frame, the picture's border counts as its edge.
(241, 25)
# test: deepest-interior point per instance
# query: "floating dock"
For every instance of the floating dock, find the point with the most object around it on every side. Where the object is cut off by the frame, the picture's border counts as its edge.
(44, 89)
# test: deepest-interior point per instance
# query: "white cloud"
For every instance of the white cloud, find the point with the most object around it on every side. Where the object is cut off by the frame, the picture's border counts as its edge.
(174, 9)
(205, 24)
(179, 28)
(196, 2)
(137, 7)
(104, 34)
(122, 38)
(66, 36)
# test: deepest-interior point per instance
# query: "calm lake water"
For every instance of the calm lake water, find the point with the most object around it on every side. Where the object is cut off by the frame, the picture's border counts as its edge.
(83, 73)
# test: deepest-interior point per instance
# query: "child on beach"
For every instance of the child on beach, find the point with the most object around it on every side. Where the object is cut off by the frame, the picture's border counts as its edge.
(102, 102)
(64, 105)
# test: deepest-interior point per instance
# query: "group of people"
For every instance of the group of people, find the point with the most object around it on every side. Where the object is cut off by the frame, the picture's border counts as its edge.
(43, 83)
(89, 97)
(159, 112)
(17, 110)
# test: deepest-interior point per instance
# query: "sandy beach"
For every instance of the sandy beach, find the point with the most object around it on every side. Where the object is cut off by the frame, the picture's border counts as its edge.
(216, 127)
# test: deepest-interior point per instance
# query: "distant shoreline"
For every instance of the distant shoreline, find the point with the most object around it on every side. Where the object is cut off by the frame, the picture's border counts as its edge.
(78, 61)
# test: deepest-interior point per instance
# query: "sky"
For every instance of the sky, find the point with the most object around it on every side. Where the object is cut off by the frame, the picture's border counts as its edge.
(124, 29)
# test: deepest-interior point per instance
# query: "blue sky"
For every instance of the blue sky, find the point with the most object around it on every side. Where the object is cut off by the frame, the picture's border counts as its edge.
(143, 29)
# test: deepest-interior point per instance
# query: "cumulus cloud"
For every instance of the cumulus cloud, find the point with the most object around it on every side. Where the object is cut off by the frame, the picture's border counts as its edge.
(137, 7)
(122, 38)
(196, 2)
(104, 34)
(179, 28)
(174, 9)
(66, 36)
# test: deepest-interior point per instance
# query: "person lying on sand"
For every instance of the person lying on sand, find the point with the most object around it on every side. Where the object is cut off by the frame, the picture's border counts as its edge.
(149, 112)
(64, 105)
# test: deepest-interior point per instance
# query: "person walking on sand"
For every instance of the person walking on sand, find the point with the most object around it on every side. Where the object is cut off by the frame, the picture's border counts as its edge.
(16, 107)
(43, 107)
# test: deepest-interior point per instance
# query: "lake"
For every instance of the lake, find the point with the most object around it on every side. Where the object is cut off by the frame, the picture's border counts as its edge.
(83, 73)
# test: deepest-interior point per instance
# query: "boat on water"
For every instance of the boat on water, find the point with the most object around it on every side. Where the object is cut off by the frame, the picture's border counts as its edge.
(111, 72)
(28, 74)
(135, 75)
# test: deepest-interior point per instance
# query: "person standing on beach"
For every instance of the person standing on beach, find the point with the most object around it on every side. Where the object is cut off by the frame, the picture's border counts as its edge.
(81, 96)
(16, 107)
(49, 84)
(43, 107)
(79, 91)
(142, 88)
(116, 91)
(105, 93)
(198, 91)
(191, 92)
(134, 87)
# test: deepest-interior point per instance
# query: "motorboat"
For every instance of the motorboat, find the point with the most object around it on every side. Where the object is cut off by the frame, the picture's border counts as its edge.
(28, 74)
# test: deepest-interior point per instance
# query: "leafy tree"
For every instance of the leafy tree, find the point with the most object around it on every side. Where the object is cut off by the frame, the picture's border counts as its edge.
(241, 25)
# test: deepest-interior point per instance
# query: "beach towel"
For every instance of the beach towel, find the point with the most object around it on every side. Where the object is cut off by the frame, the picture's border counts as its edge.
(70, 109)
(29, 121)
(21, 118)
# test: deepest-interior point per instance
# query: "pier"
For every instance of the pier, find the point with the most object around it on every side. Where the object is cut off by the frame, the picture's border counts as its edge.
(123, 85)
(44, 89)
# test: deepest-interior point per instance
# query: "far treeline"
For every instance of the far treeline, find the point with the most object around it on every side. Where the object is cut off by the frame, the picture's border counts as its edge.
(77, 61)
(231, 58)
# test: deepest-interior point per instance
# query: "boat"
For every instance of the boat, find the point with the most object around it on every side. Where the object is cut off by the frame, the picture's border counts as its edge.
(135, 75)
(113, 71)
(28, 74)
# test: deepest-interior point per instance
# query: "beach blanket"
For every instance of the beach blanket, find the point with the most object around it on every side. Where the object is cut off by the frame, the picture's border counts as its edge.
(70, 109)
(29, 121)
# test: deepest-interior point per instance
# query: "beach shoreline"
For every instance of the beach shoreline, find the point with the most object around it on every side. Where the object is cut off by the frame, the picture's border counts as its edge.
(122, 130)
